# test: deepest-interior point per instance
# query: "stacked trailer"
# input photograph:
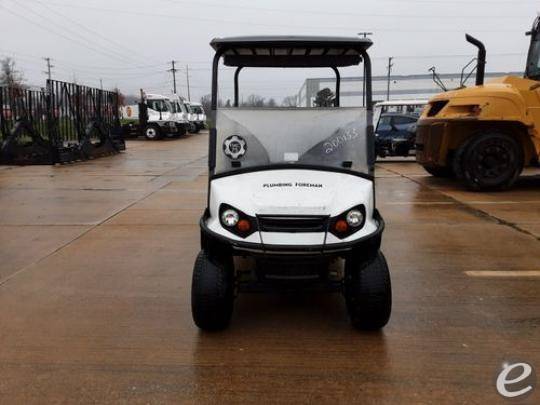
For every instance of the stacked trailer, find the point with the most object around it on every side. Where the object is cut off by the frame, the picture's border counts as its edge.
(63, 123)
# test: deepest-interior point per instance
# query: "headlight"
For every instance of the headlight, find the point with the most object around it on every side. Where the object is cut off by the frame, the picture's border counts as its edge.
(236, 221)
(355, 218)
(348, 222)
(229, 218)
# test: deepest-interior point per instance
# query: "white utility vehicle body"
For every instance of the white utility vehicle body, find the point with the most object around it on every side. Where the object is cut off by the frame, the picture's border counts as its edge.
(192, 117)
(199, 115)
(291, 191)
(180, 112)
(154, 117)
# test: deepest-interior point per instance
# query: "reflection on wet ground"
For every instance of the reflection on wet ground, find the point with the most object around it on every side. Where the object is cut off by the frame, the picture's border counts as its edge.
(95, 272)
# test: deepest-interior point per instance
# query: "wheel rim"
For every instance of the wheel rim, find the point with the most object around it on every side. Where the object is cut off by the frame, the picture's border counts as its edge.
(493, 160)
(151, 132)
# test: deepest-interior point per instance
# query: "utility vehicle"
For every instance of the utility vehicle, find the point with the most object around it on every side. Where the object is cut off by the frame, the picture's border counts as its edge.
(291, 202)
(180, 113)
(192, 118)
(153, 117)
(484, 135)
(199, 115)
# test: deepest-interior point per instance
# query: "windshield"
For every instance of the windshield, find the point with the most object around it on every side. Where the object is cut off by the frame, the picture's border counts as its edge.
(533, 67)
(333, 137)
(178, 107)
(159, 105)
(197, 109)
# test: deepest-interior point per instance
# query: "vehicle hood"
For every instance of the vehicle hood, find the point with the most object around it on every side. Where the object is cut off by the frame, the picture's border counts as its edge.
(292, 192)
(506, 86)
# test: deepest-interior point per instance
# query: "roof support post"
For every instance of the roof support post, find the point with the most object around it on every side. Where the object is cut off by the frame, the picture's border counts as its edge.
(338, 85)
(236, 92)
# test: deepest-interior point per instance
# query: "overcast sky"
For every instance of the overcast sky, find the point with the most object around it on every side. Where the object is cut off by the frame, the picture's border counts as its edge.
(130, 43)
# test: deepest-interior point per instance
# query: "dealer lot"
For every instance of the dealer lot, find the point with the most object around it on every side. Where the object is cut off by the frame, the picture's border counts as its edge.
(95, 273)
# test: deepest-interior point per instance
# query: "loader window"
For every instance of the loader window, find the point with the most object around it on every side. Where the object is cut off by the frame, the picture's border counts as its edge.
(533, 66)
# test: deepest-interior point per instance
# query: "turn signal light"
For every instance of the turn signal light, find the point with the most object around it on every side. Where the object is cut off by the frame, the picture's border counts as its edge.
(341, 226)
(243, 226)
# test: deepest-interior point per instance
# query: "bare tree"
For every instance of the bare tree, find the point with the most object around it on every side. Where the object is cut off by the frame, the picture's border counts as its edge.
(9, 76)
(206, 102)
(131, 99)
(271, 103)
(121, 97)
(290, 101)
(254, 100)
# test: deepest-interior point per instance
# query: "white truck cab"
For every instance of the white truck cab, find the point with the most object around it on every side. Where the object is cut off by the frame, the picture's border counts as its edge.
(199, 116)
(154, 117)
(181, 114)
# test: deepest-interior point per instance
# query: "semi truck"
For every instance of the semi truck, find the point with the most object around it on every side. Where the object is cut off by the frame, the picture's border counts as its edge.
(154, 117)
(198, 115)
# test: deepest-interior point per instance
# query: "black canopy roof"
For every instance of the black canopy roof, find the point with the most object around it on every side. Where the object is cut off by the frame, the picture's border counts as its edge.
(291, 51)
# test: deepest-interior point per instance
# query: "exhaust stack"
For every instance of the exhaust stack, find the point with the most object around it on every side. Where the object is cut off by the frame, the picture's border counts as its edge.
(481, 59)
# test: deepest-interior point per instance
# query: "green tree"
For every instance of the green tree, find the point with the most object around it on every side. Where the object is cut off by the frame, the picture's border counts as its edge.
(324, 98)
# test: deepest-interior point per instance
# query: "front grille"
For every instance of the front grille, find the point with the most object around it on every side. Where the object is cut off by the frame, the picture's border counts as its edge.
(436, 107)
(292, 224)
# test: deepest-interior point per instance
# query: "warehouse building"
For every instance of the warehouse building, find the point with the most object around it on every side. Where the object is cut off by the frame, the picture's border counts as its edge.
(402, 87)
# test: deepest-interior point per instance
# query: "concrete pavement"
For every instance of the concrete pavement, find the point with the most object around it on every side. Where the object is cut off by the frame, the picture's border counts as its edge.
(95, 272)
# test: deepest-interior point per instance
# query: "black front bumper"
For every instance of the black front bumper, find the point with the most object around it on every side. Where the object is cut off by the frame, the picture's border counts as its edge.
(220, 245)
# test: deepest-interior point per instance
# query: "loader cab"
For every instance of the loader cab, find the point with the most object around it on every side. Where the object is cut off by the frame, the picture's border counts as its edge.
(533, 59)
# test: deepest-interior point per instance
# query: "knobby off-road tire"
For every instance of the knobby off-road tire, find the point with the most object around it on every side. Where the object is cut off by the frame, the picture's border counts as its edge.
(212, 293)
(490, 161)
(368, 293)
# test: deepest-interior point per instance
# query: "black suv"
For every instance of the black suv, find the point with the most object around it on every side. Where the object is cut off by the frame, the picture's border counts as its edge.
(395, 134)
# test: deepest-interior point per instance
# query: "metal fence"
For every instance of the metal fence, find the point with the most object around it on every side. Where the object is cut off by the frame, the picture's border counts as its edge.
(62, 123)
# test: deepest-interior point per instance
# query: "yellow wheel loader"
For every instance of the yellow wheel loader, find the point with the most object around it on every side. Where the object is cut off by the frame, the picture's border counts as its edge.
(484, 135)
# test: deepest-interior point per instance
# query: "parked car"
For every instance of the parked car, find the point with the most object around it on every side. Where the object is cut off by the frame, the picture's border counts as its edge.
(395, 134)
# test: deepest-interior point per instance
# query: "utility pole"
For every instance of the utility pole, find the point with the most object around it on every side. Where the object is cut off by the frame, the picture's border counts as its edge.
(390, 64)
(49, 67)
(173, 70)
(101, 83)
(187, 80)
(365, 34)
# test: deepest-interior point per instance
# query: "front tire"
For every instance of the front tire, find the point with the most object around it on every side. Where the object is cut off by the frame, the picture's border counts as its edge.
(152, 133)
(491, 161)
(212, 292)
(368, 293)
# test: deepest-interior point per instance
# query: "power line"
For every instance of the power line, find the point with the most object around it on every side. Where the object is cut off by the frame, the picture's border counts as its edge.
(341, 28)
(84, 27)
(326, 13)
(89, 42)
(60, 34)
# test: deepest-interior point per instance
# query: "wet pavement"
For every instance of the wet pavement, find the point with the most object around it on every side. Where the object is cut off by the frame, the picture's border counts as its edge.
(95, 269)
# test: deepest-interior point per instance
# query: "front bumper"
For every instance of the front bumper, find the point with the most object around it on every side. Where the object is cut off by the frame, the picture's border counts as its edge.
(432, 142)
(366, 246)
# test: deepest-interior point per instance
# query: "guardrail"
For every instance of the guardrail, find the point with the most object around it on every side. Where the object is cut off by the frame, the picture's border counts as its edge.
(62, 123)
